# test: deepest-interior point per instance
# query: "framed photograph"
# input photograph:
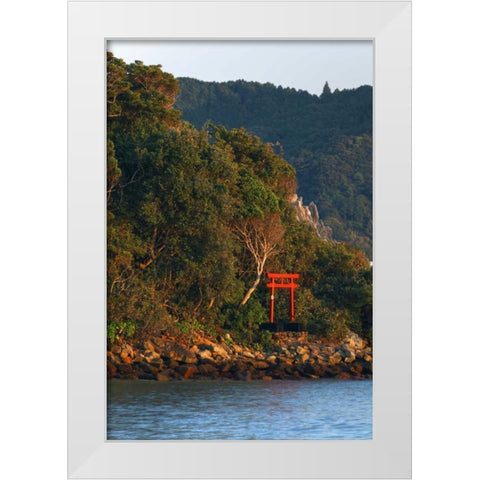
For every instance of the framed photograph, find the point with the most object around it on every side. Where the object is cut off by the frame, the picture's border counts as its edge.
(239, 289)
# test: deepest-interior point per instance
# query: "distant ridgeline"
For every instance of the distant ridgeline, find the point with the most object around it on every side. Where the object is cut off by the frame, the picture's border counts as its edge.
(327, 138)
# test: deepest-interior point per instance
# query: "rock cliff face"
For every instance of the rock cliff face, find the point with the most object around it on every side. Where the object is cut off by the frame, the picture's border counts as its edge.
(309, 214)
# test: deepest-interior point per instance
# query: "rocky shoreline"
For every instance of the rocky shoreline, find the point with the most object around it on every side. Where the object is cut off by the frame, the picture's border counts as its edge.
(290, 356)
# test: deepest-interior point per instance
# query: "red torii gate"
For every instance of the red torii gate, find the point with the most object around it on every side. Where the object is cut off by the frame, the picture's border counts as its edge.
(283, 277)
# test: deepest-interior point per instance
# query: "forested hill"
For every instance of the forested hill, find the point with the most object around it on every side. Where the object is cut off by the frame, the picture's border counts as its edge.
(195, 220)
(327, 138)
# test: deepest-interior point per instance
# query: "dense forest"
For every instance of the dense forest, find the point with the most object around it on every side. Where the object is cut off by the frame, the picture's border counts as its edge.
(327, 138)
(197, 217)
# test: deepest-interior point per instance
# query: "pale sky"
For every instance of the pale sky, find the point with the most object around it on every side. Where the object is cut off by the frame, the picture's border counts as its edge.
(304, 65)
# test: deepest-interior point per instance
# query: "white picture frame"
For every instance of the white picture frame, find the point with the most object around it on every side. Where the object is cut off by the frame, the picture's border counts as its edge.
(91, 25)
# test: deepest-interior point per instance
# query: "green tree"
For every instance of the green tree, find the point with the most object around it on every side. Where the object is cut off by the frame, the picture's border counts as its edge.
(326, 92)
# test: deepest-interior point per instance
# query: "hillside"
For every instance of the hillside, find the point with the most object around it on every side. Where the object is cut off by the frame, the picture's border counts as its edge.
(327, 138)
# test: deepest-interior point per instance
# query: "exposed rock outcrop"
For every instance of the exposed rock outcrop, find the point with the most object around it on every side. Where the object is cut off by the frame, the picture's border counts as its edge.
(309, 214)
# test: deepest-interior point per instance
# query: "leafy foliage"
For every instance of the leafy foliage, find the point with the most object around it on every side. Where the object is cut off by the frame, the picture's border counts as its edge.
(327, 138)
(195, 216)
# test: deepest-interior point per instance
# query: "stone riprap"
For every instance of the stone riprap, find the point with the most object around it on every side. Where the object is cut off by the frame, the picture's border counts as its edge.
(290, 356)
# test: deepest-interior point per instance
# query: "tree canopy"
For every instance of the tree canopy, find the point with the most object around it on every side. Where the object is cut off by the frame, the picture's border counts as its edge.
(327, 138)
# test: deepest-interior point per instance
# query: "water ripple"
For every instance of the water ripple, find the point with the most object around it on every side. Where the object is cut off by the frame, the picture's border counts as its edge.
(259, 410)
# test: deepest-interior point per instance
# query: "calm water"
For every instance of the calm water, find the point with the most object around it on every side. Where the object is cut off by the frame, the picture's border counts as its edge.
(232, 410)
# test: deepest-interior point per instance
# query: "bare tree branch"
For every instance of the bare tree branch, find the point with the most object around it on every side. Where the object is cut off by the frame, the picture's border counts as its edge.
(262, 237)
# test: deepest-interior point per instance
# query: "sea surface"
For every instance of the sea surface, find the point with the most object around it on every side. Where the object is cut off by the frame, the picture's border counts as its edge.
(323, 409)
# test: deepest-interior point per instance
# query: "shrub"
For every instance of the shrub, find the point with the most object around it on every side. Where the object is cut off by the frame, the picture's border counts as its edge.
(264, 340)
(247, 319)
(119, 331)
